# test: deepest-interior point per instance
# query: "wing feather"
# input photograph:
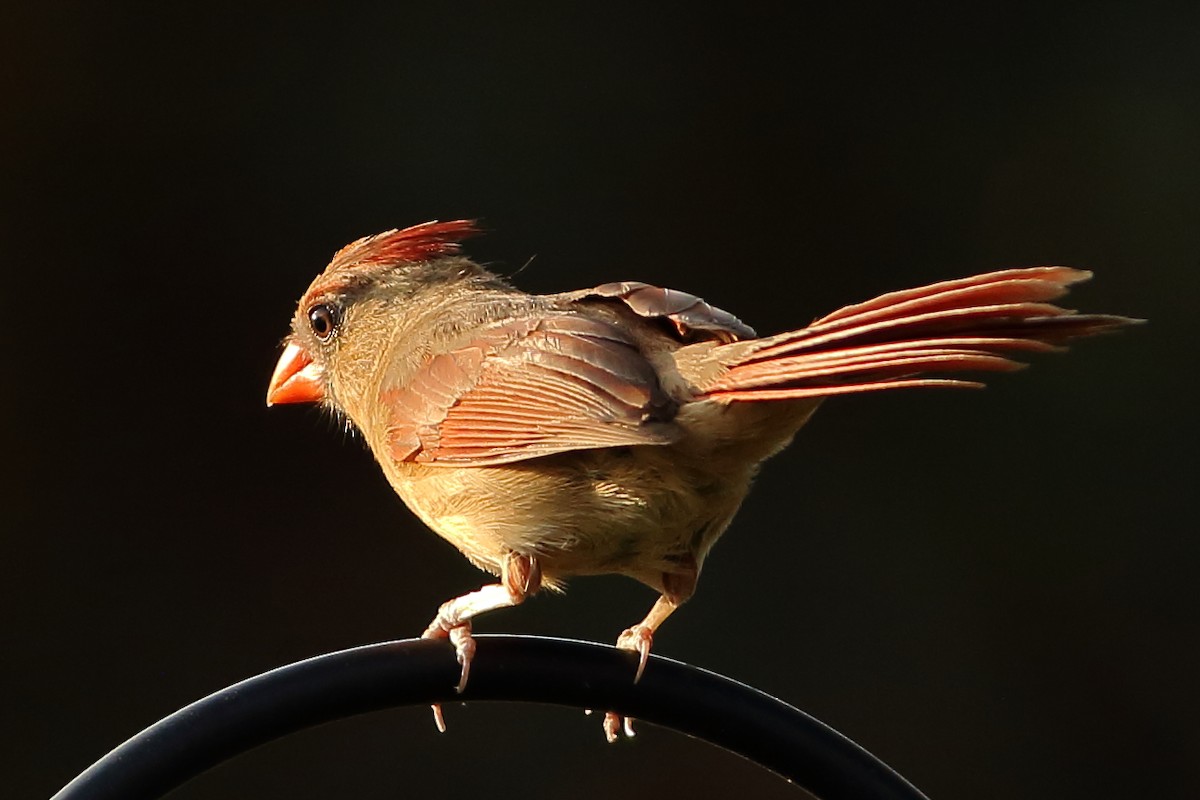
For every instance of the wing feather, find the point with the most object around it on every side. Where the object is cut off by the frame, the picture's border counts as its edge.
(690, 317)
(528, 388)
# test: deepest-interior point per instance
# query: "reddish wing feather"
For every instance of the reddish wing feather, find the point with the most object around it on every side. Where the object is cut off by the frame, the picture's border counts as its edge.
(528, 388)
(691, 317)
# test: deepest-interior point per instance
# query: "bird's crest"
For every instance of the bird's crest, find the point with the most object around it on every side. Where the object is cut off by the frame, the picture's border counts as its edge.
(418, 243)
(384, 251)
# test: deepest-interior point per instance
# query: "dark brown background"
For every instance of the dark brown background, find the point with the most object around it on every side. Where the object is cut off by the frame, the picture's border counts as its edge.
(994, 592)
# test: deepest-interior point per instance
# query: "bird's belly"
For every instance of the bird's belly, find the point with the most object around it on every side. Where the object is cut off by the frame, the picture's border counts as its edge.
(634, 510)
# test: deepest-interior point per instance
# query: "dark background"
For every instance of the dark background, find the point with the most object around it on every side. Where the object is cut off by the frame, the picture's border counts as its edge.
(994, 592)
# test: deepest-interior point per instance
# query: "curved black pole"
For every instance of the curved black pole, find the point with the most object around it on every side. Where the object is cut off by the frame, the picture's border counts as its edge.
(512, 668)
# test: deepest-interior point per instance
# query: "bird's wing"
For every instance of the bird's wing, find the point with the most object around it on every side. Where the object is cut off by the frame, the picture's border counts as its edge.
(690, 318)
(527, 388)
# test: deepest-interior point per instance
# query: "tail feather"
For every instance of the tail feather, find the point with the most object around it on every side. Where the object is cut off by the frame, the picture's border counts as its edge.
(897, 339)
(800, 393)
(991, 288)
(772, 374)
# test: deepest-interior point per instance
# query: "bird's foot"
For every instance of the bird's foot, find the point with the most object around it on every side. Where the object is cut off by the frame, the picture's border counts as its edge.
(637, 639)
(459, 634)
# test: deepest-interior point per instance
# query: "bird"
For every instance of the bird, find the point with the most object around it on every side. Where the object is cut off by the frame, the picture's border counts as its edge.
(616, 429)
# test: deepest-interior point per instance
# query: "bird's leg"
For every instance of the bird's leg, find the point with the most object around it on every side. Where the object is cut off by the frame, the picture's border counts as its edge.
(677, 587)
(520, 577)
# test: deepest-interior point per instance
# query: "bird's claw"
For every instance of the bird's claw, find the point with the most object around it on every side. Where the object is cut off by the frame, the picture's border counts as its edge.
(637, 639)
(615, 725)
(464, 645)
(464, 651)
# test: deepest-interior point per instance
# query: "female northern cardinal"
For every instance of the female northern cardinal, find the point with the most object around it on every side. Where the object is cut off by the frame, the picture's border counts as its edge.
(614, 429)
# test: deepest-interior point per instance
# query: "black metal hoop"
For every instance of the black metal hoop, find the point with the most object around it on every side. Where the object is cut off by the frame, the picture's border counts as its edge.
(693, 701)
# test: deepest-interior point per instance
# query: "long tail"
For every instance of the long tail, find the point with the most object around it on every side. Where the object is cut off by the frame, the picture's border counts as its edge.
(901, 339)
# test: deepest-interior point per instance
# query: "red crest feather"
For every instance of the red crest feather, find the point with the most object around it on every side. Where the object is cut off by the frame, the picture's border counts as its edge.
(418, 243)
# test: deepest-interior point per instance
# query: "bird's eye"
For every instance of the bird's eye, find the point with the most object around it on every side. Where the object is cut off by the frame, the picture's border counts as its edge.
(323, 321)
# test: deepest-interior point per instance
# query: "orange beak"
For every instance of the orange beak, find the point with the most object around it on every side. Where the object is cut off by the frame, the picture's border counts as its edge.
(297, 378)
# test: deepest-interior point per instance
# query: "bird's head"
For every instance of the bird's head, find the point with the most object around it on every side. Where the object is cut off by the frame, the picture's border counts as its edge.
(346, 317)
